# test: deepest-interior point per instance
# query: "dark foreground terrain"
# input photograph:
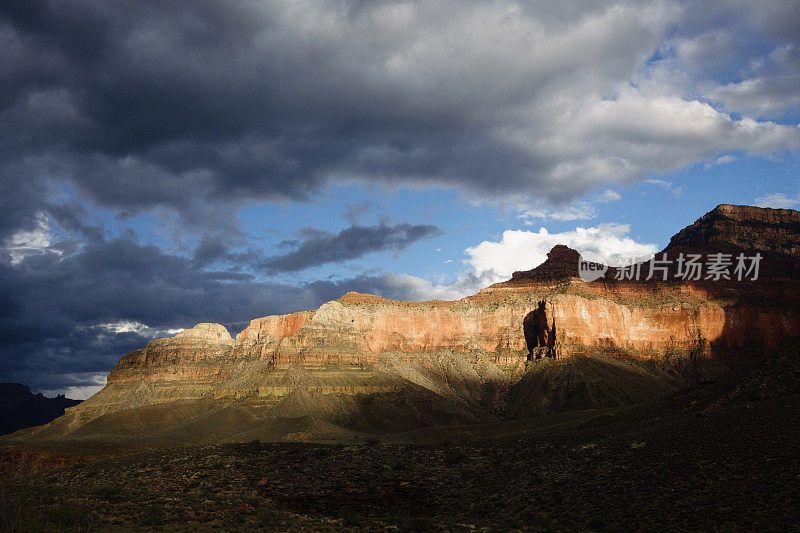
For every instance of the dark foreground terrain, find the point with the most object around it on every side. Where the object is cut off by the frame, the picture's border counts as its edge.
(719, 456)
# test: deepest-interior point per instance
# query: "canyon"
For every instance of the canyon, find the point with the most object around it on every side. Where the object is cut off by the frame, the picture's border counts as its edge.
(542, 342)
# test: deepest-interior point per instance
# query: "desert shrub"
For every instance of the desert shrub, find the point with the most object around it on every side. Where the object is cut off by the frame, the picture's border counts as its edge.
(455, 456)
(597, 524)
(108, 493)
(18, 514)
(350, 518)
(73, 516)
(269, 518)
(153, 516)
(419, 523)
(235, 518)
(321, 452)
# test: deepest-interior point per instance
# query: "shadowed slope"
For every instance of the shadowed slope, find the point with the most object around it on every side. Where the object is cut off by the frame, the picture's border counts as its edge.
(707, 457)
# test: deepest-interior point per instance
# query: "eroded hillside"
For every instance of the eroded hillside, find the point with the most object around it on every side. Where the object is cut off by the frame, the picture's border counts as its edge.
(364, 363)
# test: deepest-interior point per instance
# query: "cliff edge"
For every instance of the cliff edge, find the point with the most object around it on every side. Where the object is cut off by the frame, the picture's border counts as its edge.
(365, 363)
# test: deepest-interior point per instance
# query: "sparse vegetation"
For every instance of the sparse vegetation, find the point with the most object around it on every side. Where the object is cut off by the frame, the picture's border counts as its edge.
(721, 457)
(717, 456)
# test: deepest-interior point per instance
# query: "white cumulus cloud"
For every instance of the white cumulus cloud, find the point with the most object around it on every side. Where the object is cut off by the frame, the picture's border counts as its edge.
(523, 250)
(778, 201)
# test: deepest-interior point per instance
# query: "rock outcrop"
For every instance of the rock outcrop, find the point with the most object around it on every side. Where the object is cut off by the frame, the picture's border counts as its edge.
(773, 231)
(463, 357)
(561, 262)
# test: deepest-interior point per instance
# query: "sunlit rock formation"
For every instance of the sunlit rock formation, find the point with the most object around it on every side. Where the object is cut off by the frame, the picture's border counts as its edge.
(460, 361)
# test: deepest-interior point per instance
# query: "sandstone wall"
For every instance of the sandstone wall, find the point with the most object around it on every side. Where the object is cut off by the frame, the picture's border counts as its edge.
(360, 329)
(470, 349)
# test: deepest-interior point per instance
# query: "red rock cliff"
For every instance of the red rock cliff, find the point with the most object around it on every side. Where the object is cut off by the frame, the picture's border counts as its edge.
(369, 332)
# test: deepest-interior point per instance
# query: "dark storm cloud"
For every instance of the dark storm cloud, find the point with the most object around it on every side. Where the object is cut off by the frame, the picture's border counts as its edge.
(315, 247)
(58, 312)
(211, 248)
(72, 218)
(355, 211)
(350, 243)
(203, 106)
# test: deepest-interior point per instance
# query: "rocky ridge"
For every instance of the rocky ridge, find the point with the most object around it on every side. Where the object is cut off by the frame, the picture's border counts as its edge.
(407, 364)
(23, 409)
(776, 231)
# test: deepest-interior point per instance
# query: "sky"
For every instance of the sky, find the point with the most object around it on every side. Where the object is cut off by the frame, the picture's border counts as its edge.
(169, 163)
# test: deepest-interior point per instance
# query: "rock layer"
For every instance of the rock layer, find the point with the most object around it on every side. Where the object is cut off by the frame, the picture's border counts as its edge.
(774, 231)
(465, 352)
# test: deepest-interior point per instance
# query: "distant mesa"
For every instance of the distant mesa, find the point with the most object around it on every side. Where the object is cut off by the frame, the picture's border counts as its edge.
(22, 409)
